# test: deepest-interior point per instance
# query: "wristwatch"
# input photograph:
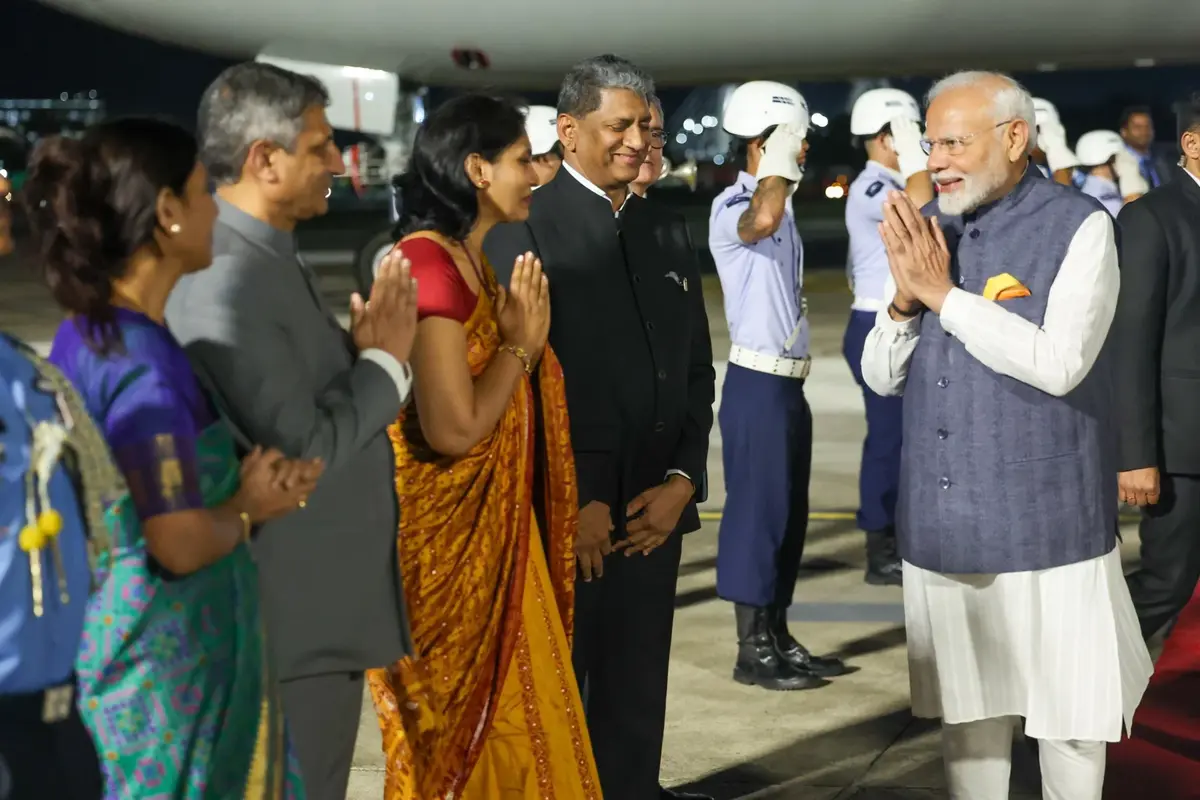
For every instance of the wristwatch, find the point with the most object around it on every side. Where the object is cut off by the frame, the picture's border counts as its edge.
(906, 313)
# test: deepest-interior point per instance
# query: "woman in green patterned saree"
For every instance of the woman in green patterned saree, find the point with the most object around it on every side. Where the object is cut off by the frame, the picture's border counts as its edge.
(175, 681)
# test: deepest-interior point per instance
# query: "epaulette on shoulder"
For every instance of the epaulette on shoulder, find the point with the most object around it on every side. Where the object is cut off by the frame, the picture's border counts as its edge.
(737, 200)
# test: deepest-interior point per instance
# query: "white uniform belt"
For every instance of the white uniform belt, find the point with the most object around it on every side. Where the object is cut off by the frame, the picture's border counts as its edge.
(867, 304)
(772, 365)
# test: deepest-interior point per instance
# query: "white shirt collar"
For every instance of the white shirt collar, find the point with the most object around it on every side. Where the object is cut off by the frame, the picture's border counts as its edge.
(899, 177)
(574, 173)
(1190, 175)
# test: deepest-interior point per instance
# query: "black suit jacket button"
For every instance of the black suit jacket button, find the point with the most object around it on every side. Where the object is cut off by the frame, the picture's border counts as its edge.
(659, 427)
(662, 374)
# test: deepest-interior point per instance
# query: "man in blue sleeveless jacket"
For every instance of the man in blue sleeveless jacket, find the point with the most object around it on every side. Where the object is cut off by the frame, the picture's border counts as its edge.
(1015, 603)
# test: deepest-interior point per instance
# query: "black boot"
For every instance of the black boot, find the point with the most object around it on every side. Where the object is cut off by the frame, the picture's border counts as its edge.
(796, 654)
(883, 562)
(757, 663)
(671, 794)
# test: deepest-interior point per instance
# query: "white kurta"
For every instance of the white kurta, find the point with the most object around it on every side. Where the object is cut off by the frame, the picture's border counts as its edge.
(1060, 647)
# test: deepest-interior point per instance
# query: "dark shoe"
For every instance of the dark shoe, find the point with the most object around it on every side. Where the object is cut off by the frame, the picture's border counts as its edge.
(758, 664)
(792, 652)
(883, 562)
(671, 794)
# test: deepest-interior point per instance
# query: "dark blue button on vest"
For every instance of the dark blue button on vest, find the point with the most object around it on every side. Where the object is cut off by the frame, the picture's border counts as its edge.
(997, 476)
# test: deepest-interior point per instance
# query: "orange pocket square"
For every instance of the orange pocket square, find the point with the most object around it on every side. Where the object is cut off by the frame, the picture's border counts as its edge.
(1004, 287)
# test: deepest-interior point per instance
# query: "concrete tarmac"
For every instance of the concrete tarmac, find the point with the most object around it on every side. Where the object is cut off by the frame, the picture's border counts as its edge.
(852, 739)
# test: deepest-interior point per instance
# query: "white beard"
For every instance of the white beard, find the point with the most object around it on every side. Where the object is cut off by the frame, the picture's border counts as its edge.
(972, 193)
(974, 189)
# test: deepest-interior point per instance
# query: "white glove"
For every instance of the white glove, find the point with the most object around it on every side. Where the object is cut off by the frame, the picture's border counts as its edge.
(1052, 140)
(1129, 175)
(906, 141)
(780, 152)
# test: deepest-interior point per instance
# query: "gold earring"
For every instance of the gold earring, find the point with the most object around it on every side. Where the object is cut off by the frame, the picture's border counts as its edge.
(175, 228)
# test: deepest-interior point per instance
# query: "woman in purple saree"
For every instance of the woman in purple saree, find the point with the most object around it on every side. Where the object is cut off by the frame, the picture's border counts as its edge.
(175, 679)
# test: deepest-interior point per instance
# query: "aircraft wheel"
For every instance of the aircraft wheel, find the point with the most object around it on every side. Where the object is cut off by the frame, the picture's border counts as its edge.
(366, 264)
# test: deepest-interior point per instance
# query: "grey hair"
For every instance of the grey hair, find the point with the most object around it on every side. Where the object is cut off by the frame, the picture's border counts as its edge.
(584, 83)
(655, 103)
(252, 102)
(1010, 101)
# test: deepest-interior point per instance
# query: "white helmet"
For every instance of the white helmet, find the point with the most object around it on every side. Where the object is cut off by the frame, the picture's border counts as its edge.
(1098, 147)
(541, 124)
(877, 107)
(755, 106)
(1044, 111)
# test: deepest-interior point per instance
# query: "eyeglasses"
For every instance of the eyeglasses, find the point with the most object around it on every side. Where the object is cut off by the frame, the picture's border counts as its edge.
(955, 145)
(658, 138)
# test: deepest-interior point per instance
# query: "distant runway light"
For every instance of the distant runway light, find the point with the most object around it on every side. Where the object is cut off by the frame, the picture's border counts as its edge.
(835, 192)
(1143, 62)
(681, 137)
(718, 159)
(820, 120)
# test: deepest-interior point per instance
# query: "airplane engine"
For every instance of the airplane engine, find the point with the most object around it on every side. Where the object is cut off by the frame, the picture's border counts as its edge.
(363, 100)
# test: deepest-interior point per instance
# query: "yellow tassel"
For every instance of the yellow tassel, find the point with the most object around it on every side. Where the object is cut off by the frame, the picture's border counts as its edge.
(32, 538)
(50, 523)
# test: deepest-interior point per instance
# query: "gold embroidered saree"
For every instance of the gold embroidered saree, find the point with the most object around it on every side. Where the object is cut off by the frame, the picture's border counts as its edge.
(491, 711)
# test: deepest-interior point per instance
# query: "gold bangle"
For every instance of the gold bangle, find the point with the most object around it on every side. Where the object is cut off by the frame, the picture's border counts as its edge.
(245, 518)
(519, 352)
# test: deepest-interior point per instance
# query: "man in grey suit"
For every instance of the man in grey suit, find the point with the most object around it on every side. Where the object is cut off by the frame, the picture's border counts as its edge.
(284, 373)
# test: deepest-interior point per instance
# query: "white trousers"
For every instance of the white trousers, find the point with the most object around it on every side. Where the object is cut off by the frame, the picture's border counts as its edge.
(979, 758)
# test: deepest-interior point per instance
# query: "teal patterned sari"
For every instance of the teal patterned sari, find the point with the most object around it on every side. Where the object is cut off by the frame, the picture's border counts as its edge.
(175, 679)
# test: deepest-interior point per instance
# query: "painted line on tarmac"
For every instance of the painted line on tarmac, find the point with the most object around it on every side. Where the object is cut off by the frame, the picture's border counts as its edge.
(842, 516)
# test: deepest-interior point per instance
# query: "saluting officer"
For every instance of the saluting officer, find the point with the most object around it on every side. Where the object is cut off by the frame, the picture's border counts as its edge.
(1111, 174)
(56, 477)
(766, 424)
(541, 125)
(1053, 158)
(887, 123)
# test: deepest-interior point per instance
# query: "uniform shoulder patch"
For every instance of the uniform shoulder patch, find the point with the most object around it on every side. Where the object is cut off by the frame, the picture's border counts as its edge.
(737, 200)
(874, 188)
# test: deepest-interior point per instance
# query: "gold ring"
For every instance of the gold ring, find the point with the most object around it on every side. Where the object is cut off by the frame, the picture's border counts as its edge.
(303, 502)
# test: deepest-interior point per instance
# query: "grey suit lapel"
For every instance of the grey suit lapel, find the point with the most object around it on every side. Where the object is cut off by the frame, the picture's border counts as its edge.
(314, 289)
(282, 246)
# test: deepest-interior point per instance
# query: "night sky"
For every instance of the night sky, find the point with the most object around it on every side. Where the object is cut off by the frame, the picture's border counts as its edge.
(47, 53)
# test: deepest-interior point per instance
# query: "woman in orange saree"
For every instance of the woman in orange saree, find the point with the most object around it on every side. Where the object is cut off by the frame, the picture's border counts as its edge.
(486, 481)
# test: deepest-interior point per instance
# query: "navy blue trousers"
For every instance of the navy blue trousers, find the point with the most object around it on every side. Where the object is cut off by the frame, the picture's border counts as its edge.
(879, 476)
(766, 435)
